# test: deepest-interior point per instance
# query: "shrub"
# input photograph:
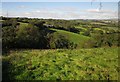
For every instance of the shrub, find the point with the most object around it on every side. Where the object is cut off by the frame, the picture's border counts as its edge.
(60, 41)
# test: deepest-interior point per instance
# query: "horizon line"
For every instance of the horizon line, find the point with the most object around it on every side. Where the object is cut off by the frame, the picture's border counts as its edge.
(64, 18)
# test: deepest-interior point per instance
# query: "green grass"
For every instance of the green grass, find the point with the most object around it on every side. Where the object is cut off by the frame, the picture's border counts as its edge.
(97, 29)
(23, 24)
(73, 37)
(113, 28)
(98, 23)
(80, 26)
(79, 64)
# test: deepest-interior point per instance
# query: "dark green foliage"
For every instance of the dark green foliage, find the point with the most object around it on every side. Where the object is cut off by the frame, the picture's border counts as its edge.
(37, 23)
(73, 29)
(38, 33)
(106, 39)
(24, 20)
(60, 41)
(10, 22)
(23, 37)
(72, 45)
(28, 37)
(8, 37)
(63, 25)
(86, 33)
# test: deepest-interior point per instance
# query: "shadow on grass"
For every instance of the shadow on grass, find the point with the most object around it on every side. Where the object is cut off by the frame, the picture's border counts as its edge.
(5, 70)
(6, 67)
(5, 52)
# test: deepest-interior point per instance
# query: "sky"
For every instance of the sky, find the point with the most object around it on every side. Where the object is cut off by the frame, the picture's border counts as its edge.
(61, 10)
(58, 0)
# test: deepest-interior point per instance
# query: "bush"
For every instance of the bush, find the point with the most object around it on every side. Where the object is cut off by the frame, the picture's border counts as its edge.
(86, 33)
(60, 41)
(90, 44)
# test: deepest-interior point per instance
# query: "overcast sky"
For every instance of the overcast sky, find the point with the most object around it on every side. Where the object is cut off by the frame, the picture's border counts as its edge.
(61, 10)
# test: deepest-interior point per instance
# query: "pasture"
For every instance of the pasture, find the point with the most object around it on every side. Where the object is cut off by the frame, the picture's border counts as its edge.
(62, 64)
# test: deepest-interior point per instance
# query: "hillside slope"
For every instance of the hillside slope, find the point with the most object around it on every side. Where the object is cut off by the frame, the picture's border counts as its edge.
(73, 37)
(78, 64)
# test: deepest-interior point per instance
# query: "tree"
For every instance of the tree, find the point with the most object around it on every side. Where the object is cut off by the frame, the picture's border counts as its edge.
(10, 22)
(30, 37)
(37, 23)
(60, 41)
(8, 37)
(73, 29)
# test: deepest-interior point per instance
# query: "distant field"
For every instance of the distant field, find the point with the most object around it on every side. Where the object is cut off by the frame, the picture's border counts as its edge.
(73, 37)
(113, 28)
(23, 24)
(98, 23)
(84, 29)
(78, 64)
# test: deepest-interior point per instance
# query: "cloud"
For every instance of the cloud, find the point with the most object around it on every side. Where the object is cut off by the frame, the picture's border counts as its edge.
(37, 11)
(22, 7)
(67, 8)
(102, 14)
(27, 13)
(66, 13)
(93, 10)
(99, 11)
(55, 13)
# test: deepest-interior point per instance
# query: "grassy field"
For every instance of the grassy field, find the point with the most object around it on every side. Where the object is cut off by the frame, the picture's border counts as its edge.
(23, 24)
(80, 27)
(113, 28)
(78, 64)
(73, 37)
